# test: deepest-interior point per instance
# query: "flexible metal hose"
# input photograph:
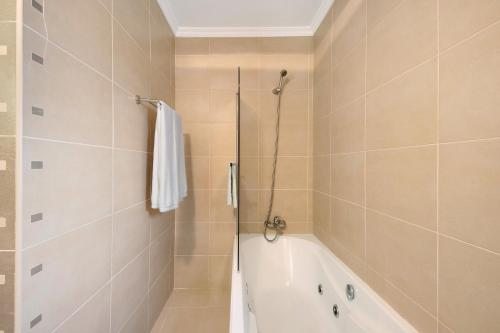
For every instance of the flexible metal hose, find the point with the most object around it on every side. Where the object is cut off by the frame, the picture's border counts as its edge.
(273, 177)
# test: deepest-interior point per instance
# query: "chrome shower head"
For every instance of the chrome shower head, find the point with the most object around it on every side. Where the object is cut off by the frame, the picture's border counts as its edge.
(278, 89)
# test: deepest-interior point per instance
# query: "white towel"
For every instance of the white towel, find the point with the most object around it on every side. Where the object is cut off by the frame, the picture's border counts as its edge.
(232, 189)
(169, 174)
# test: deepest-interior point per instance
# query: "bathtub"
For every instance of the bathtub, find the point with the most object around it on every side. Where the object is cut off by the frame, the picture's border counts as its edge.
(292, 286)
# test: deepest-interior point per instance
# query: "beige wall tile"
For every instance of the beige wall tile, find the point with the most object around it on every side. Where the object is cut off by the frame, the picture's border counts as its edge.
(195, 208)
(249, 172)
(161, 255)
(159, 294)
(131, 232)
(223, 139)
(289, 204)
(348, 128)
(160, 222)
(223, 106)
(402, 183)
(469, 74)
(56, 87)
(7, 291)
(321, 208)
(75, 88)
(348, 226)
(8, 73)
(94, 316)
(294, 106)
(321, 174)
(63, 20)
(131, 122)
(230, 45)
(131, 181)
(249, 206)
(406, 37)
(348, 180)
(46, 192)
(221, 238)
(191, 238)
(191, 271)
(192, 46)
(291, 172)
(219, 171)
(349, 76)
(322, 47)
(378, 9)
(321, 136)
(196, 139)
(7, 197)
(469, 192)
(285, 45)
(197, 172)
(133, 15)
(162, 41)
(404, 112)
(129, 288)
(463, 268)
(138, 322)
(296, 65)
(349, 26)
(224, 71)
(75, 266)
(220, 271)
(131, 68)
(404, 255)
(460, 20)
(192, 72)
(8, 11)
(292, 140)
(219, 210)
(421, 319)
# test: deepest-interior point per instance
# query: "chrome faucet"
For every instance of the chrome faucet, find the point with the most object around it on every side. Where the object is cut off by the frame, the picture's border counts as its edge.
(276, 224)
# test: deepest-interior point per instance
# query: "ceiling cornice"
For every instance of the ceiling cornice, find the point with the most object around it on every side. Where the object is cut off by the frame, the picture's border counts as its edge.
(243, 31)
(169, 14)
(184, 31)
(320, 14)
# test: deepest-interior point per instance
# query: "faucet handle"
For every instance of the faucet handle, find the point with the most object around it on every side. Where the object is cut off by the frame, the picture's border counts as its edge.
(279, 222)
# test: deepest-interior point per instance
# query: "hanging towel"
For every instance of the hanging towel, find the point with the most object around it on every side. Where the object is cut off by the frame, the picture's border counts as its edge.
(232, 190)
(169, 173)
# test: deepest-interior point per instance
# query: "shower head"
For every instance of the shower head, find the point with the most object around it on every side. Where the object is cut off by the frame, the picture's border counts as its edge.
(278, 89)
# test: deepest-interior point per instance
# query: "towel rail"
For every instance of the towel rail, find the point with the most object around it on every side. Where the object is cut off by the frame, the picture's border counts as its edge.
(153, 102)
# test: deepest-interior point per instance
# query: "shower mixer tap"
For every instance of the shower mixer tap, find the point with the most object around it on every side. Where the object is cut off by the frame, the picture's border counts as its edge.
(277, 223)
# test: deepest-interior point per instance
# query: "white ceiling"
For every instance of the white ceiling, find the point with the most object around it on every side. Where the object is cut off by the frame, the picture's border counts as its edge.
(242, 18)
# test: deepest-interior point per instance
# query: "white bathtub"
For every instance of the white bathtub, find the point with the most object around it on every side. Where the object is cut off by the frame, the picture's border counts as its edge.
(276, 291)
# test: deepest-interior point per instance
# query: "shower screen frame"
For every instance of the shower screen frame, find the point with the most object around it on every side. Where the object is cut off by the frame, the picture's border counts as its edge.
(238, 108)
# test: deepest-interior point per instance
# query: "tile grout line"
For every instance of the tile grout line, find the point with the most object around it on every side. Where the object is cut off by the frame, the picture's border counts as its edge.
(438, 98)
(365, 138)
(112, 164)
(148, 289)
(411, 224)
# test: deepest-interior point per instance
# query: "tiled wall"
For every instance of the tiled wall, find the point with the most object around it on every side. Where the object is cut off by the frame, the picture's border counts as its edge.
(95, 257)
(206, 83)
(406, 154)
(8, 82)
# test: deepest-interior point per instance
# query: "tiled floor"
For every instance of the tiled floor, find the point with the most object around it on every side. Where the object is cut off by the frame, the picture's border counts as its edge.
(195, 311)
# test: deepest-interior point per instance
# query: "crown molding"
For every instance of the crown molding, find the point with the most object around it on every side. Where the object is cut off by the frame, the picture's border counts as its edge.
(185, 31)
(243, 31)
(320, 14)
(168, 12)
